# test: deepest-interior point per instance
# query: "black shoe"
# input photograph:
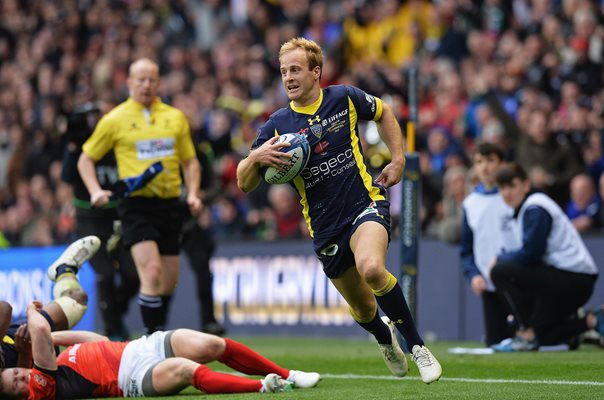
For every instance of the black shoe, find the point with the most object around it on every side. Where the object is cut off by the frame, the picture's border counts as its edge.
(574, 342)
(119, 335)
(214, 328)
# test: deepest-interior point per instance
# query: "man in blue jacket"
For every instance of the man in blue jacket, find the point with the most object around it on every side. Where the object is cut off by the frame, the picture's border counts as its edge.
(550, 276)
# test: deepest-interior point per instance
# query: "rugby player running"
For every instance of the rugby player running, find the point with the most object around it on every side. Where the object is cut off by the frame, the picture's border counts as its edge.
(347, 212)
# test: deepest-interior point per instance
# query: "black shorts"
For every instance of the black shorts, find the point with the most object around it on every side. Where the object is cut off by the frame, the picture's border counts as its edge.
(154, 219)
(335, 253)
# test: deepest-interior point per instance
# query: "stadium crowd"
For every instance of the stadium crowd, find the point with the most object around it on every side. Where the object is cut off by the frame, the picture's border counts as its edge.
(526, 75)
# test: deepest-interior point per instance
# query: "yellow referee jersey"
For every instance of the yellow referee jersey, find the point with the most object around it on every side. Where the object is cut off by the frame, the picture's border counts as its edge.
(139, 137)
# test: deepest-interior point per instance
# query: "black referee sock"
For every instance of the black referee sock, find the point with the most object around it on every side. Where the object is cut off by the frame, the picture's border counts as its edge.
(154, 311)
(393, 304)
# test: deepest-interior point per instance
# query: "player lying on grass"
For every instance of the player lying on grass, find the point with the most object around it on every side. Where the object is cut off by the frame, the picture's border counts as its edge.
(161, 364)
(66, 310)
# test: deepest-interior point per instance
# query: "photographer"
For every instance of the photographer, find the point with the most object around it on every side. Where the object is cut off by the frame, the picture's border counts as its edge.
(116, 277)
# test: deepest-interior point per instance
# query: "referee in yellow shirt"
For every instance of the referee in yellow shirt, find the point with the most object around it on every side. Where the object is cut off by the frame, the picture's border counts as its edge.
(141, 131)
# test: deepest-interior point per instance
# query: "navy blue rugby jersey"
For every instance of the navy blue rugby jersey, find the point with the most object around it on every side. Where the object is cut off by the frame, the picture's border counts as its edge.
(335, 186)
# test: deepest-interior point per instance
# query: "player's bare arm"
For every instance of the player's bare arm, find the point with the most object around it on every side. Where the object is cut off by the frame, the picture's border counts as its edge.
(68, 338)
(391, 134)
(98, 196)
(192, 175)
(6, 313)
(23, 347)
(41, 340)
(248, 170)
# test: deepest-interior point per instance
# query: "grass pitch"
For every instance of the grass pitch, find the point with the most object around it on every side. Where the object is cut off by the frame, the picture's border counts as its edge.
(353, 369)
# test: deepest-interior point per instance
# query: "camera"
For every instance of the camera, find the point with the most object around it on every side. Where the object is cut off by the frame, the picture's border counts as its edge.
(81, 122)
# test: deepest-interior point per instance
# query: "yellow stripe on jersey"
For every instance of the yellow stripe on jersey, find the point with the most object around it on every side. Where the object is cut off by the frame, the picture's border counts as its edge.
(299, 183)
(141, 138)
(8, 339)
(374, 192)
(378, 109)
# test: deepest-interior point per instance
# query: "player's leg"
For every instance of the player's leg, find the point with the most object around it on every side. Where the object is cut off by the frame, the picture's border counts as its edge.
(153, 303)
(199, 246)
(127, 288)
(561, 294)
(100, 222)
(203, 348)
(172, 375)
(151, 230)
(369, 244)
(497, 326)
(65, 311)
(70, 301)
(149, 367)
(76, 254)
(363, 309)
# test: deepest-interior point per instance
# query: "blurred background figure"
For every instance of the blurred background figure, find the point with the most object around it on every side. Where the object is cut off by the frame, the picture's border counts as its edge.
(116, 277)
(447, 225)
(287, 221)
(584, 205)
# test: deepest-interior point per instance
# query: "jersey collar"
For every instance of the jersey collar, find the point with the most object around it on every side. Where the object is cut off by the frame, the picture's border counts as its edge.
(135, 103)
(310, 109)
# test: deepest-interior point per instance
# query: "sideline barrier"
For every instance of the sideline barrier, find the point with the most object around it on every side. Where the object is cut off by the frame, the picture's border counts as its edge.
(279, 289)
(23, 279)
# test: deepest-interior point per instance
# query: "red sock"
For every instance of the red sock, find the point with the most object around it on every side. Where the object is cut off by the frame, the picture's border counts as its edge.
(243, 359)
(212, 382)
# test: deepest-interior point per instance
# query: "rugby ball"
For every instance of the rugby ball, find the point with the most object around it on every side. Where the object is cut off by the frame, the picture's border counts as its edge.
(300, 151)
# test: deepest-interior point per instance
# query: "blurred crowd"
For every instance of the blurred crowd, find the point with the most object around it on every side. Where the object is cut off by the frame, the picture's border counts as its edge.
(525, 74)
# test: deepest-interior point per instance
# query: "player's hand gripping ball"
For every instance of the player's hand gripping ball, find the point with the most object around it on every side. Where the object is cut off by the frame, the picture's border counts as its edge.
(300, 151)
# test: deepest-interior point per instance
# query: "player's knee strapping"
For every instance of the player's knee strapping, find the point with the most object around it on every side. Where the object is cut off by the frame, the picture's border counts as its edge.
(65, 282)
(73, 310)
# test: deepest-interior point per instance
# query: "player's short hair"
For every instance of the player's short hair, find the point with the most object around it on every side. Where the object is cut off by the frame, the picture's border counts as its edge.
(506, 174)
(314, 54)
(487, 149)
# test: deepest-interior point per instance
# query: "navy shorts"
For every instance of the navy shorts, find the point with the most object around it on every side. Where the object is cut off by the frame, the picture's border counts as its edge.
(335, 253)
(154, 219)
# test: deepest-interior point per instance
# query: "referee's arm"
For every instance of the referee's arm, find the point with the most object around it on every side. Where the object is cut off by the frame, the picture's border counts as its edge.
(86, 168)
(192, 175)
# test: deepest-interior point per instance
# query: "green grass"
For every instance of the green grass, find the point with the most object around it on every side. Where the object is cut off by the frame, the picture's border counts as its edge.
(353, 369)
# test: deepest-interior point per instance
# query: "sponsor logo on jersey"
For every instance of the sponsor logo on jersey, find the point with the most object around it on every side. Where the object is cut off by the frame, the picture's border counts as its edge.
(331, 167)
(154, 148)
(316, 119)
(73, 353)
(335, 122)
(317, 130)
(321, 147)
(40, 380)
(334, 117)
(302, 131)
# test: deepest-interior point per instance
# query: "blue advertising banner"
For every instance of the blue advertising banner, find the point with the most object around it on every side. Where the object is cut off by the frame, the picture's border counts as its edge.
(23, 279)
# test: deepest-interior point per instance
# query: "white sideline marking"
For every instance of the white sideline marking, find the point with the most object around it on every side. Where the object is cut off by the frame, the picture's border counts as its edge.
(473, 380)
